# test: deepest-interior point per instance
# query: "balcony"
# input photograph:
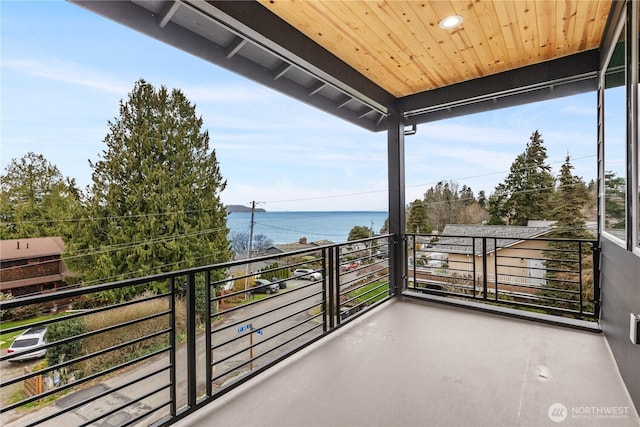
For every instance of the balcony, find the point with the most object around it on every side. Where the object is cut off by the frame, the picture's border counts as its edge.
(409, 364)
(331, 349)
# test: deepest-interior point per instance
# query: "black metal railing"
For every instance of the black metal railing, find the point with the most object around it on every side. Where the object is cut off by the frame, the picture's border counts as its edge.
(161, 355)
(552, 276)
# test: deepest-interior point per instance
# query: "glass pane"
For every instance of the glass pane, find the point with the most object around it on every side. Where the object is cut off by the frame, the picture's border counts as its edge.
(615, 131)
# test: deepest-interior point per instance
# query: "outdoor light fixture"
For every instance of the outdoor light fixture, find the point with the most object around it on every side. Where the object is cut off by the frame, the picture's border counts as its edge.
(451, 22)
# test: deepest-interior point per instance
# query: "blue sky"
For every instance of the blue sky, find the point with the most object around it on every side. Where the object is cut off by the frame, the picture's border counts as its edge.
(64, 71)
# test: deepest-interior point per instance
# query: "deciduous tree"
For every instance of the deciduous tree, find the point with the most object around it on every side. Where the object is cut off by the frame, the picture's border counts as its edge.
(240, 243)
(443, 203)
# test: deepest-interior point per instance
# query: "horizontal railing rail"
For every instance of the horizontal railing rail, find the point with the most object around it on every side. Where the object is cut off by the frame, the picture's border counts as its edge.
(552, 276)
(155, 358)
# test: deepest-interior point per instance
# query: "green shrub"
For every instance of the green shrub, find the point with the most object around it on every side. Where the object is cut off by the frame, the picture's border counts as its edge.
(61, 330)
(276, 272)
(5, 313)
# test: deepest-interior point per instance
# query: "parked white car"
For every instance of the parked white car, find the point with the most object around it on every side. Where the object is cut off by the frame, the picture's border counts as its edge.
(28, 344)
(307, 273)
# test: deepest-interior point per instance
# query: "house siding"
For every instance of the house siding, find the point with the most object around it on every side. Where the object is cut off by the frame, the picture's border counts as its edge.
(620, 297)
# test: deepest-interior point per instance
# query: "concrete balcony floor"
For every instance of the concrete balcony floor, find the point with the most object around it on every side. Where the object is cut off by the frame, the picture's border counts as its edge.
(424, 364)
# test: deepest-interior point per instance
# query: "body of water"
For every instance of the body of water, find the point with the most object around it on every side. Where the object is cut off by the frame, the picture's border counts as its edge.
(289, 227)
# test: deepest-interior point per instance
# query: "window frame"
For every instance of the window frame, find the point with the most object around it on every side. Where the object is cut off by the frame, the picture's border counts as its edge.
(619, 27)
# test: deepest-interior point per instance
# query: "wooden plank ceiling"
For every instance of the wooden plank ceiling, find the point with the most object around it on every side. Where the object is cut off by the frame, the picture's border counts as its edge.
(399, 45)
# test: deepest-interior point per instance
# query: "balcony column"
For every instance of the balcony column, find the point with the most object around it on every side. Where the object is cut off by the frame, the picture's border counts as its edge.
(395, 159)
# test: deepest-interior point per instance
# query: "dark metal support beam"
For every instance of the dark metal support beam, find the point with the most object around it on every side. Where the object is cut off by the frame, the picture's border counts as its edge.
(632, 46)
(134, 15)
(272, 32)
(395, 159)
(565, 76)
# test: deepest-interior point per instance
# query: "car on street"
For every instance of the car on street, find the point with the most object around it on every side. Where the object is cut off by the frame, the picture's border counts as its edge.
(28, 344)
(265, 287)
(349, 266)
(307, 273)
(281, 282)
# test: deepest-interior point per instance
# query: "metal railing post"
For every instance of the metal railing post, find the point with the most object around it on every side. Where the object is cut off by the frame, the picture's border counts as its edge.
(333, 275)
(326, 272)
(580, 284)
(172, 351)
(596, 280)
(473, 262)
(207, 330)
(191, 340)
(495, 268)
(484, 268)
(415, 272)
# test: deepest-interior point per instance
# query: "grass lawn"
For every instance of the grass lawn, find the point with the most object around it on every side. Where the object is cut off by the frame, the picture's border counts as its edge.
(366, 292)
(7, 339)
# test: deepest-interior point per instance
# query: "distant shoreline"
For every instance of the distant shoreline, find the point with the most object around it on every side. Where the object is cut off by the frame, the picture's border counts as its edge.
(241, 208)
(326, 212)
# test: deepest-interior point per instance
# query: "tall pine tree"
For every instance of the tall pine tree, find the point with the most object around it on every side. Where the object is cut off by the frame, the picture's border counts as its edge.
(614, 201)
(155, 199)
(527, 190)
(564, 257)
(418, 218)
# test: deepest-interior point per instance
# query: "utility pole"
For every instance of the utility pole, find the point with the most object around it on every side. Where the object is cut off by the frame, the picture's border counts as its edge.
(246, 280)
(370, 242)
(253, 212)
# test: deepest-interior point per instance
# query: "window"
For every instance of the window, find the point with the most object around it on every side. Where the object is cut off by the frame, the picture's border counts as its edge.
(635, 133)
(614, 176)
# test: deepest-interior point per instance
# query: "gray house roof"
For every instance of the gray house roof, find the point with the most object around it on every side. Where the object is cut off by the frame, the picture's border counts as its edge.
(291, 247)
(459, 238)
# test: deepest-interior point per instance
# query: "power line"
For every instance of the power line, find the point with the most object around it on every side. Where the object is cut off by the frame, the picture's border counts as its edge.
(334, 196)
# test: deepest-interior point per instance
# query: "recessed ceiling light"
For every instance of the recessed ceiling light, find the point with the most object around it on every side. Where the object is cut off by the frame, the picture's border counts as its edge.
(451, 22)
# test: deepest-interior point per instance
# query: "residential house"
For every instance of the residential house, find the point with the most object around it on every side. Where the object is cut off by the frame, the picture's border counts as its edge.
(32, 265)
(283, 248)
(512, 257)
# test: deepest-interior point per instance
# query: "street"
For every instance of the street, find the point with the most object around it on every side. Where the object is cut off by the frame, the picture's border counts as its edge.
(279, 307)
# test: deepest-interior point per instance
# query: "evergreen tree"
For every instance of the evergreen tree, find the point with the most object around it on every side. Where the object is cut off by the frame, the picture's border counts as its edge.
(497, 202)
(359, 232)
(570, 198)
(564, 256)
(418, 218)
(155, 199)
(482, 199)
(614, 201)
(36, 200)
(466, 196)
(591, 207)
(385, 226)
(527, 190)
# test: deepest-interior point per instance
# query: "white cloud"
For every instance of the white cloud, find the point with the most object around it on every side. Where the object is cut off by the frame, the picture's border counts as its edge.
(67, 72)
